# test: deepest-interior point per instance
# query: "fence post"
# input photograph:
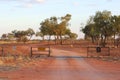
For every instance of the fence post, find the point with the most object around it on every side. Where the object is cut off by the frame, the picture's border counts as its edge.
(2, 52)
(49, 52)
(31, 52)
(108, 51)
(87, 51)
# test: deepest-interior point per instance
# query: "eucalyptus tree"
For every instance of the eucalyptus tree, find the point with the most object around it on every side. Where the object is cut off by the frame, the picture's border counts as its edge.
(4, 36)
(73, 36)
(55, 26)
(48, 26)
(103, 22)
(30, 32)
(62, 26)
(40, 35)
(91, 30)
(116, 26)
(10, 36)
(44, 29)
(22, 35)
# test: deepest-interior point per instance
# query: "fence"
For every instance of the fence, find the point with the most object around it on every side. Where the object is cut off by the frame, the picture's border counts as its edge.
(40, 50)
(23, 50)
(115, 52)
(103, 51)
(98, 51)
(7, 49)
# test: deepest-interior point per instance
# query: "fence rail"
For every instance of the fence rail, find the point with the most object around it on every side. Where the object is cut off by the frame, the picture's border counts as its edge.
(98, 51)
(40, 50)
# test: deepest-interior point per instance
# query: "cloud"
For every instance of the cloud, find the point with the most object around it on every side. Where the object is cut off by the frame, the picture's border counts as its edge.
(39, 1)
(29, 5)
(92, 5)
(108, 0)
(25, 3)
(88, 4)
(36, 1)
(76, 3)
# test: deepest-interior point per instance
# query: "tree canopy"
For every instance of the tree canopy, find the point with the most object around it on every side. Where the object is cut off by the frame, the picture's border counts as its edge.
(57, 27)
(102, 26)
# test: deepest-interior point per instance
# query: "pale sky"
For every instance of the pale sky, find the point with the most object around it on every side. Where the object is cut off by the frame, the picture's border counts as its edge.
(24, 14)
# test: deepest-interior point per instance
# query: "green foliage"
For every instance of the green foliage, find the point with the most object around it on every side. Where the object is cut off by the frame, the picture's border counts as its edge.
(73, 36)
(102, 26)
(56, 26)
(40, 34)
(23, 35)
(30, 32)
(4, 36)
(8, 36)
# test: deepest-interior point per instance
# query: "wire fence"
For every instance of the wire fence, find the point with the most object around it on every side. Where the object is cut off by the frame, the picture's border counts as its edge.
(15, 50)
(25, 50)
(104, 51)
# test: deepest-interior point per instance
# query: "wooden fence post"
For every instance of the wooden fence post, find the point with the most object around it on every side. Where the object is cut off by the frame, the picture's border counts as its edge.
(2, 52)
(31, 52)
(87, 51)
(49, 52)
(108, 51)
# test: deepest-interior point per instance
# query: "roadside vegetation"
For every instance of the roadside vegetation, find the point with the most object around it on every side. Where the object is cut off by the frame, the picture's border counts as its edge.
(53, 26)
(102, 28)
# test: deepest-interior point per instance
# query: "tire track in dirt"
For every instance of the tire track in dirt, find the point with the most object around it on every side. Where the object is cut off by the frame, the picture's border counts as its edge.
(62, 65)
(76, 68)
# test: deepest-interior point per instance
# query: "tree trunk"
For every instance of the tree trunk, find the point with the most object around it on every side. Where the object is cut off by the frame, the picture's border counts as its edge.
(49, 39)
(104, 41)
(30, 38)
(114, 40)
(101, 39)
(61, 39)
(55, 40)
(92, 39)
(43, 38)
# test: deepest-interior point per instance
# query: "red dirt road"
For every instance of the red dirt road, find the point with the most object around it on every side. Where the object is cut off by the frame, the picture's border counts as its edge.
(65, 65)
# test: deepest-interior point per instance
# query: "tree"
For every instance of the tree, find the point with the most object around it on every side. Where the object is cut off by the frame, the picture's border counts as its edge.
(24, 39)
(19, 35)
(40, 34)
(103, 22)
(73, 36)
(51, 26)
(47, 27)
(30, 32)
(91, 30)
(63, 25)
(10, 36)
(23, 34)
(4, 36)
(115, 20)
(102, 26)
(7, 36)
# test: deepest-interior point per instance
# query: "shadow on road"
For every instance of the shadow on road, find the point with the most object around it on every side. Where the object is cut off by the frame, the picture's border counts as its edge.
(68, 56)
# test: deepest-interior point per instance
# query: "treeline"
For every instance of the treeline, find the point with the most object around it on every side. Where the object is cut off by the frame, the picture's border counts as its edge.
(19, 36)
(53, 26)
(102, 27)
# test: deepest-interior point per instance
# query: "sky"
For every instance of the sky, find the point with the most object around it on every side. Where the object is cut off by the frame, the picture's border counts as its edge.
(24, 14)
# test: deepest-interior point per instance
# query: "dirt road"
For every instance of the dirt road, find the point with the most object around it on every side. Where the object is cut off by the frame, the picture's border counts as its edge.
(65, 65)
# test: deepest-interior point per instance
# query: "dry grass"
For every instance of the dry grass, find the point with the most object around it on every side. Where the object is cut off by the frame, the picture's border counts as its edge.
(11, 63)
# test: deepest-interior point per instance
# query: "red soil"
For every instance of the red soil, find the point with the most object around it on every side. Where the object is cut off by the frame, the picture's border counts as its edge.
(65, 63)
